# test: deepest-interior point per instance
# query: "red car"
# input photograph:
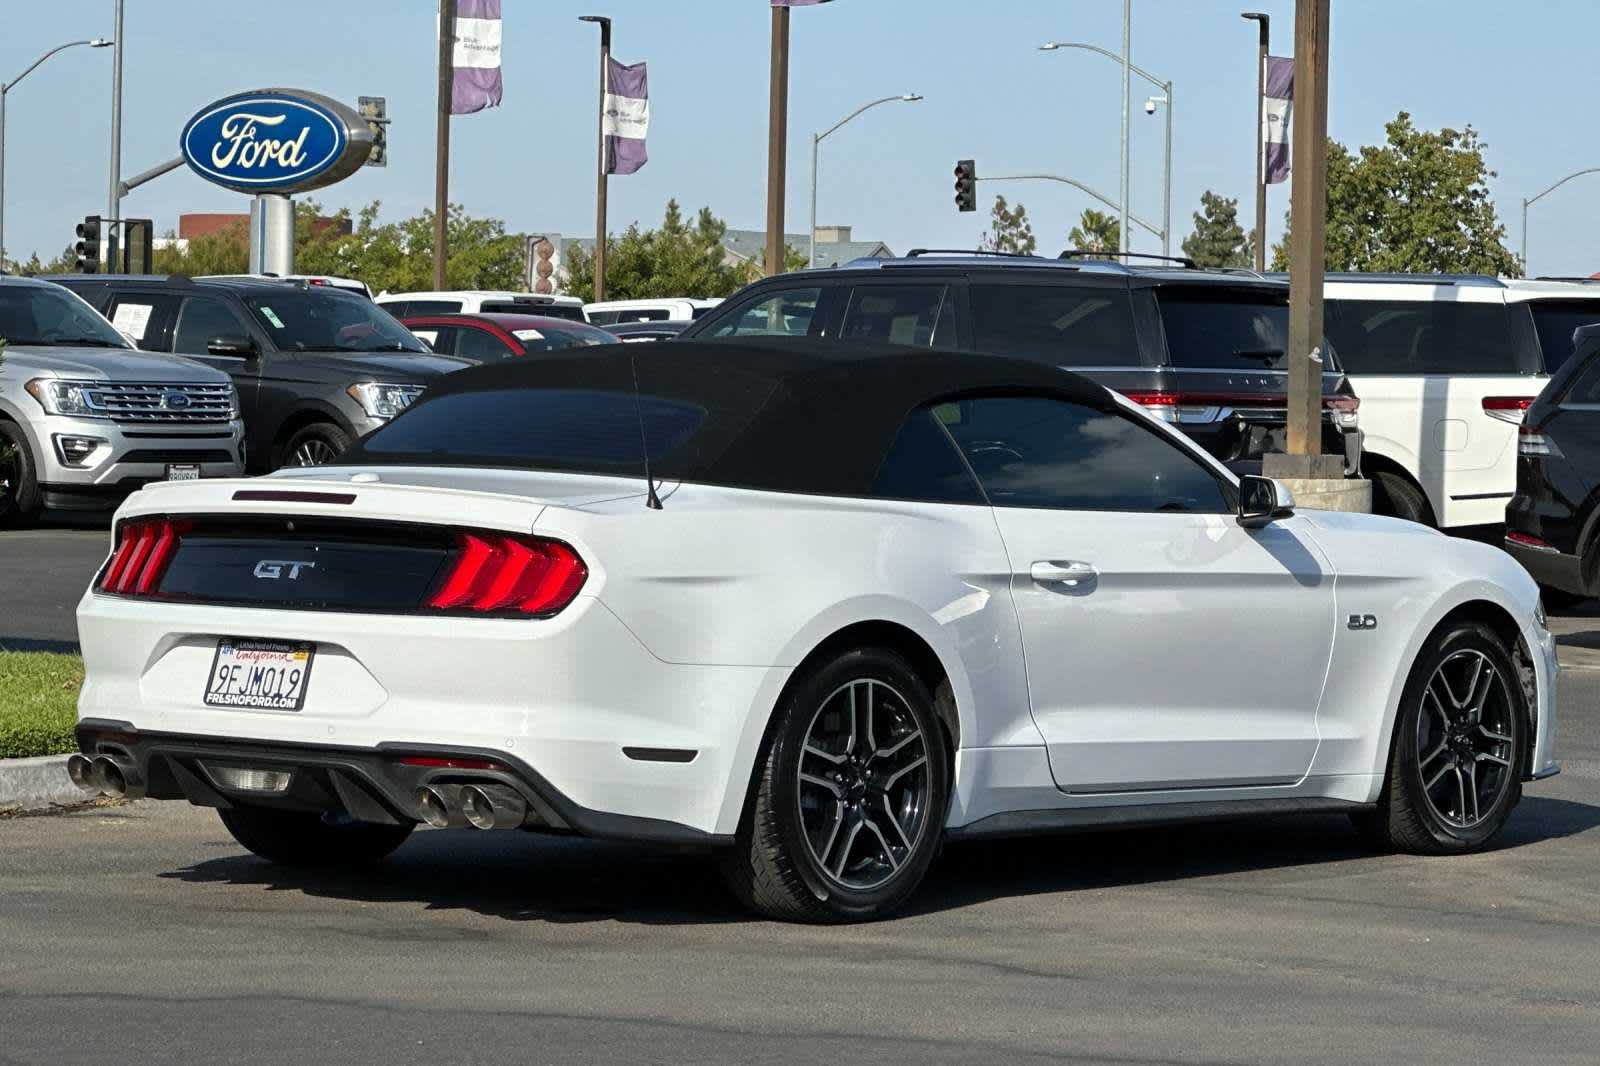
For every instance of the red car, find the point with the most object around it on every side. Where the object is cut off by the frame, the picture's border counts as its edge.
(488, 338)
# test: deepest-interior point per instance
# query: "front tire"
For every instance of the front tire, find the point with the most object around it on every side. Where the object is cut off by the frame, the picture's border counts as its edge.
(850, 801)
(311, 840)
(315, 445)
(21, 499)
(1456, 758)
(1396, 496)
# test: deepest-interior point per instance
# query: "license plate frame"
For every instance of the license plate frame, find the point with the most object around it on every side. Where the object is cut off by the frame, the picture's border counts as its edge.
(281, 657)
(183, 472)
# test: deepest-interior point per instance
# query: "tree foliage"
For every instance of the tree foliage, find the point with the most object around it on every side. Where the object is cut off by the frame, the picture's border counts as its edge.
(1009, 230)
(1096, 231)
(1218, 240)
(1419, 203)
(678, 259)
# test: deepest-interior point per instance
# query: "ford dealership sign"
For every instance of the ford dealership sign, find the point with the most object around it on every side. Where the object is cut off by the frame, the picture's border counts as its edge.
(275, 140)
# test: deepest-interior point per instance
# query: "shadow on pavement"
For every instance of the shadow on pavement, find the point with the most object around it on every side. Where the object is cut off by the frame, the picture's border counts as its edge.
(523, 877)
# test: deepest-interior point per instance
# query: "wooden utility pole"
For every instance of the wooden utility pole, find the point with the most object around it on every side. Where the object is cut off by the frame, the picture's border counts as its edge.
(777, 138)
(441, 172)
(1308, 202)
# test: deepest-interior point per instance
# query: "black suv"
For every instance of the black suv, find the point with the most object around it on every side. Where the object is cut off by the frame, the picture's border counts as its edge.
(315, 366)
(1200, 349)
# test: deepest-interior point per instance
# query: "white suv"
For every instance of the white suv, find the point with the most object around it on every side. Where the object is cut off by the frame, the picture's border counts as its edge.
(1445, 366)
(612, 312)
(480, 301)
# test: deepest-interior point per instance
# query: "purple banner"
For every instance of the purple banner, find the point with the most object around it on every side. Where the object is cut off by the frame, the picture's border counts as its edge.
(1277, 110)
(626, 120)
(475, 82)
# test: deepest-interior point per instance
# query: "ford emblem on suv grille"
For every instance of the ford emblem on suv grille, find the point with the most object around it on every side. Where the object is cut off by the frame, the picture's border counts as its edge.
(175, 401)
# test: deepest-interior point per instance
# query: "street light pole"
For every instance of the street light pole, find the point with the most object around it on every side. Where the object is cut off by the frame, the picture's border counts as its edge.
(5, 90)
(1265, 22)
(1165, 87)
(816, 144)
(113, 230)
(1531, 200)
(601, 181)
(1127, 103)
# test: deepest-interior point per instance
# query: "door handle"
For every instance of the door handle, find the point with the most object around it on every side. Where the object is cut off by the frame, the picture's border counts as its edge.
(1073, 575)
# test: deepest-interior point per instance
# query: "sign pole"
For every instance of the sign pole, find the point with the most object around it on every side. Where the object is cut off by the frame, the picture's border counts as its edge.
(777, 138)
(272, 234)
(441, 176)
(601, 186)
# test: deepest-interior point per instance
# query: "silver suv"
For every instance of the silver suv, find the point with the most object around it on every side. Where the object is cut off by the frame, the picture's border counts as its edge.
(85, 419)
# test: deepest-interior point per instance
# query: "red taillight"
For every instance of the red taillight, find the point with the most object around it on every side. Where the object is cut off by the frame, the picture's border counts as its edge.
(499, 573)
(447, 762)
(144, 551)
(1507, 408)
(1528, 540)
(1153, 399)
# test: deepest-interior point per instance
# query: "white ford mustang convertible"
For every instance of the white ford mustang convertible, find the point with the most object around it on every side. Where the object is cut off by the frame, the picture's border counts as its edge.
(815, 609)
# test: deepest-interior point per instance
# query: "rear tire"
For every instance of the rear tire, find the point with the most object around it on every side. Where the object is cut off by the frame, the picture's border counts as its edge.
(311, 840)
(1395, 495)
(315, 445)
(1455, 760)
(851, 794)
(21, 499)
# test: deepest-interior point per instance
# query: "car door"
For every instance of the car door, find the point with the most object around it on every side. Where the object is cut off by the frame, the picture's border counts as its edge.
(1166, 646)
(200, 320)
(146, 318)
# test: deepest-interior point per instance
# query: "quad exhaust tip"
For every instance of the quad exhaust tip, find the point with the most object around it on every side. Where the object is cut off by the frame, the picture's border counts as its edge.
(106, 775)
(486, 806)
(440, 806)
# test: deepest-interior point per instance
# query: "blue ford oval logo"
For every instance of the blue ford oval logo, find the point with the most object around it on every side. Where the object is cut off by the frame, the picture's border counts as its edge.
(275, 140)
(173, 400)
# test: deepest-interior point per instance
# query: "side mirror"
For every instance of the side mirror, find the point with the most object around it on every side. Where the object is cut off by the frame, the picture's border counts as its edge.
(1263, 500)
(236, 345)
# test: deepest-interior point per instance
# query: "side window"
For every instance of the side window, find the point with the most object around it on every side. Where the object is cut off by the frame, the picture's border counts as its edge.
(922, 464)
(1587, 388)
(901, 314)
(481, 345)
(431, 307)
(199, 320)
(1062, 325)
(789, 313)
(397, 308)
(144, 318)
(1039, 452)
(1414, 337)
(430, 335)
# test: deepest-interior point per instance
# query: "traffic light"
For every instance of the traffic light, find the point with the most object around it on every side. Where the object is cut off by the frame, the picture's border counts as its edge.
(375, 109)
(138, 246)
(88, 246)
(966, 185)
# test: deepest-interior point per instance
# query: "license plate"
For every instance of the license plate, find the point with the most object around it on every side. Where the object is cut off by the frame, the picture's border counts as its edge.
(267, 675)
(183, 471)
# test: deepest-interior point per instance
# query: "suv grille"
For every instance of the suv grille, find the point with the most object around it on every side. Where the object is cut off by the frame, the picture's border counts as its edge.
(167, 404)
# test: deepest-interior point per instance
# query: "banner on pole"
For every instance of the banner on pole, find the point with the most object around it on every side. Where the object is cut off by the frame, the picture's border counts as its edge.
(1277, 110)
(627, 116)
(475, 82)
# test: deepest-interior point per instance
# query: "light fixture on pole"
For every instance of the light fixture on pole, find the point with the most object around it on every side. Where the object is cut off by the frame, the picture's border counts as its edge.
(1165, 85)
(1265, 22)
(816, 143)
(1529, 201)
(5, 90)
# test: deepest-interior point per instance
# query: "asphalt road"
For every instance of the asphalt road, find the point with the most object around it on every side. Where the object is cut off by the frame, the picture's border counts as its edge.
(141, 932)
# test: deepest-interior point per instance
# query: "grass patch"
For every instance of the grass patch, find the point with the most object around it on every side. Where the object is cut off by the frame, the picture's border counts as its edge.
(38, 703)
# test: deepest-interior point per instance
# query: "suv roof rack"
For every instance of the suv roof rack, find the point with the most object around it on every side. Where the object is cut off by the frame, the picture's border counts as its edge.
(917, 252)
(1484, 280)
(1081, 253)
(1575, 279)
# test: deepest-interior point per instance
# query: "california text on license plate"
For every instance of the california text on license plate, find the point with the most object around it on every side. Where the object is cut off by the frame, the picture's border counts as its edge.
(267, 675)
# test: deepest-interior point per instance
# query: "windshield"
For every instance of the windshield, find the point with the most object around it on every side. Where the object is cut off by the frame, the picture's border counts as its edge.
(1214, 329)
(324, 319)
(553, 339)
(47, 315)
(1555, 320)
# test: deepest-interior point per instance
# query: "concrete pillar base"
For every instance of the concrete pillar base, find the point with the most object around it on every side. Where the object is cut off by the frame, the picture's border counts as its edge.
(1331, 494)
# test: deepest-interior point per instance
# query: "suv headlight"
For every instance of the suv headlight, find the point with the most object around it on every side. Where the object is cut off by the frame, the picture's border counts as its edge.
(59, 397)
(381, 400)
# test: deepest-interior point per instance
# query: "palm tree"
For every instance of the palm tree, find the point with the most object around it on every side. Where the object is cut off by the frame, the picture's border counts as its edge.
(1096, 231)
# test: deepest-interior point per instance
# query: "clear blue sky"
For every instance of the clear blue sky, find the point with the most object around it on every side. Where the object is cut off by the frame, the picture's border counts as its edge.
(1522, 74)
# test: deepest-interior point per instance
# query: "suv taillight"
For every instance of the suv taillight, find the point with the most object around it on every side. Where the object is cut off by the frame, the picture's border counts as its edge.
(1507, 408)
(144, 550)
(1531, 441)
(1194, 407)
(496, 572)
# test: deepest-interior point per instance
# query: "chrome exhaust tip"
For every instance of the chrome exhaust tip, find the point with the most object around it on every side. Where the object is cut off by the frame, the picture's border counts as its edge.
(493, 807)
(80, 768)
(117, 778)
(440, 806)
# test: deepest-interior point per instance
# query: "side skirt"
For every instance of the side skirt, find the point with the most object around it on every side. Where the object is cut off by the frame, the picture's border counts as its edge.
(1023, 823)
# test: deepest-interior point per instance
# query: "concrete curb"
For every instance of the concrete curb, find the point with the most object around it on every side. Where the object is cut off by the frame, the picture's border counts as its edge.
(32, 784)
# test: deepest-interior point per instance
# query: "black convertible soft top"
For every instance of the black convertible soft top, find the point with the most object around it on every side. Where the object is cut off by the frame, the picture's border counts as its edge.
(781, 415)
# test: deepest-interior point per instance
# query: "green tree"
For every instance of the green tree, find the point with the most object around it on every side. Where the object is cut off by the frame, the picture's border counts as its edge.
(65, 263)
(1218, 240)
(678, 259)
(225, 252)
(1417, 203)
(1096, 231)
(1009, 230)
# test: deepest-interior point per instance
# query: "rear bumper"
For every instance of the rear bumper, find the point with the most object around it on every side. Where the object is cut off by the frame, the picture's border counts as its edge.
(1550, 568)
(368, 785)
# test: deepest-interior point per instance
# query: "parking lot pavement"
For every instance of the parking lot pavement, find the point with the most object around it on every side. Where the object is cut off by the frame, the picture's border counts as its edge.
(142, 932)
(43, 573)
